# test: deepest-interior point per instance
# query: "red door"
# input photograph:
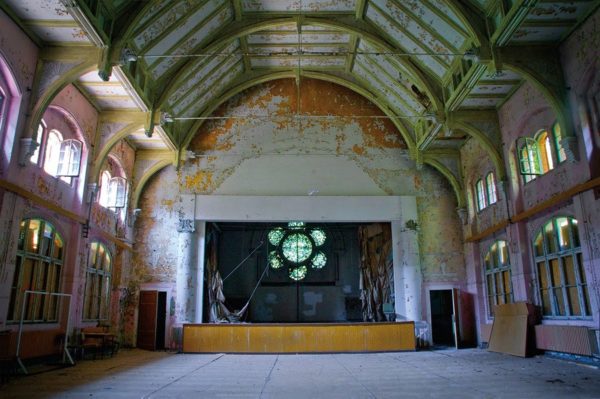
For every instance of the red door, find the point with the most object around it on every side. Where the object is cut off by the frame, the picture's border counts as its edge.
(146, 337)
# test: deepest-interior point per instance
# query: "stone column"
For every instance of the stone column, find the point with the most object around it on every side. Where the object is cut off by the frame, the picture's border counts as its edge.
(199, 292)
(186, 276)
(407, 263)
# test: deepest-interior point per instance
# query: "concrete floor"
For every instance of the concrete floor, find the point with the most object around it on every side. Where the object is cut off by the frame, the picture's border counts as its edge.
(470, 373)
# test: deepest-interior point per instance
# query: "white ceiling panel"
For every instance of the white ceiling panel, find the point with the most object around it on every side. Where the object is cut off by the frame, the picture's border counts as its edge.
(298, 5)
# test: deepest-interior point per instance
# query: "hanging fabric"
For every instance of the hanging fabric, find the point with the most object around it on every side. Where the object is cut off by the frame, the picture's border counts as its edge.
(376, 269)
(218, 311)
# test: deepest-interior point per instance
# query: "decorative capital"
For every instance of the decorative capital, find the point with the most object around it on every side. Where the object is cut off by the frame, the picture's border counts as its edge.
(462, 214)
(27, 149)
(186, 226)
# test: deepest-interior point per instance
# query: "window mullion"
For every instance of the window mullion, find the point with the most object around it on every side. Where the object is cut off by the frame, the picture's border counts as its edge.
(579, 282)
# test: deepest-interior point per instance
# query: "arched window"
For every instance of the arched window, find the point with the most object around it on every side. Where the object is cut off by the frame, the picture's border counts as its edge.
(490, 185)
(104, 182)
(481, 199)
(113, 191)
(9, 110)
(561, 279)
(52, 152)
(60, 156)
(544, 150)
(498, 275)
(561, 155)
(38, 268)
(540, 154)
(96, 302)
(3, 107)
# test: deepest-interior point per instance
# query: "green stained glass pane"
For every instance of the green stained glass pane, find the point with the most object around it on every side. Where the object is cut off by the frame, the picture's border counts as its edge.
(275, 236)
(319, 261)
(296, 247)
(296, 225)
(318, 236)
(298, 273)
(275, 260)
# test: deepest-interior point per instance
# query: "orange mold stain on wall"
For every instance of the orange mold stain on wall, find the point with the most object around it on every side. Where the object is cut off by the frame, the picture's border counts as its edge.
(200, 182)
(168, 204)
(358, 150)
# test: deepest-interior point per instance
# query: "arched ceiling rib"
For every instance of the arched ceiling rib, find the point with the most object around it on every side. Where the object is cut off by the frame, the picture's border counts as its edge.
(181, 46)
(407, 56)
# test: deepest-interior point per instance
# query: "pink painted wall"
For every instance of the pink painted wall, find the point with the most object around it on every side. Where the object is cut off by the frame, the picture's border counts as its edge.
(524, 114)
(18, 59)
(476, 164)
(580, 55)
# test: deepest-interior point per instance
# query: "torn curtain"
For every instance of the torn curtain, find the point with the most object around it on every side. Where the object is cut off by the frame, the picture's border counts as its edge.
(376, 269)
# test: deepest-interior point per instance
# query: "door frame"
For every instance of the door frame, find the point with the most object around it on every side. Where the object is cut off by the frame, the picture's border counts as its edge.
(428, 289)
(169, 320)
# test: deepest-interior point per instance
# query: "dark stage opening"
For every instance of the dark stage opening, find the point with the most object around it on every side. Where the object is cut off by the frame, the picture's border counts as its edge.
(292, 273)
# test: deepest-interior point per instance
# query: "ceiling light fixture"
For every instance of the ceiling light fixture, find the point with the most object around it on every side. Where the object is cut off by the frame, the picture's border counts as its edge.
(127, 55)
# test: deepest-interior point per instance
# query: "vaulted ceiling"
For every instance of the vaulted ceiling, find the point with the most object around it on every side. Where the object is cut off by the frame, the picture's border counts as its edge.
(421, 61)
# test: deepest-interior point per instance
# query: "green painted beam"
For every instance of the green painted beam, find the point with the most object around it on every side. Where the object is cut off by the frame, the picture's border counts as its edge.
(465, 86)
(361, 7)
(427, 27)
(236, 30)
(511, 22)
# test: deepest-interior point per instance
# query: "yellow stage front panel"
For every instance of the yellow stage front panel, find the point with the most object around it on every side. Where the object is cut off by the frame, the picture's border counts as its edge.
(298, 338)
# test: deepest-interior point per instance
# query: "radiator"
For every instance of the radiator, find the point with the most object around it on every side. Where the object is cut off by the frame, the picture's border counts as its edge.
(569, 339)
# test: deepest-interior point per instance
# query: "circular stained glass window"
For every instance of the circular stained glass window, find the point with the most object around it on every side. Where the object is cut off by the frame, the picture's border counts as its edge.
(298, 273)
(275, 260)
(297, 247)
(318, 236)
(319, 260)
(295, 225)
(275, 236)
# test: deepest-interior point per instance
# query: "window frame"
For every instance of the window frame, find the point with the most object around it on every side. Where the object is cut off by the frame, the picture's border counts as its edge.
(539, 155)
(52, 145)
(480, 195)
(40, 134)
(72, 149)
(490, 187)
(556, 260)
(3, 105)
(493, 269)
(52, 166)
(98, 283)
(44, 274)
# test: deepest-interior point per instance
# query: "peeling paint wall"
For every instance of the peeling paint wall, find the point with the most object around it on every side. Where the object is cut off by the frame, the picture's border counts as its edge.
(275, 153)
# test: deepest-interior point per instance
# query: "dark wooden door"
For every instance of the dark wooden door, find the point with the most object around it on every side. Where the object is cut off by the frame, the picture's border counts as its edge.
(442, 317)
(146, 337)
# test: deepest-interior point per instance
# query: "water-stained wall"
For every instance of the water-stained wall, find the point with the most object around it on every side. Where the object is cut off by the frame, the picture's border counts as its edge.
(266, 146)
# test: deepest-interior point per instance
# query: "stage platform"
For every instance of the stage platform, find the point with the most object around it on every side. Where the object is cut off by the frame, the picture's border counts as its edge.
(299, 338)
